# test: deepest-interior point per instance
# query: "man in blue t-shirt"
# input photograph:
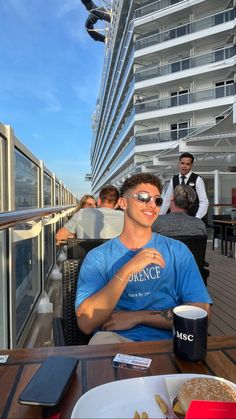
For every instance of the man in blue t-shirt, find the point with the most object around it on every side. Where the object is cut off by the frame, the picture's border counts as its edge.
(128, 287)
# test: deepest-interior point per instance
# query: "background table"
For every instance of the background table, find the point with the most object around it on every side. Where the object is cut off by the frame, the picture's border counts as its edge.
(95, 368)
(225, 224)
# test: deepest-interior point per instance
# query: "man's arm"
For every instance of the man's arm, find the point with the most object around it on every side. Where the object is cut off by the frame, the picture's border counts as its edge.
(202, 196)
(123, 320)
(167, 198)
(162, 319)
(96, 309)
(63, 234)
(69, 229)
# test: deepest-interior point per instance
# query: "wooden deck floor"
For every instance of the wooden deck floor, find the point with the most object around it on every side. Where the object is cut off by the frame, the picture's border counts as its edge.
(222, 287)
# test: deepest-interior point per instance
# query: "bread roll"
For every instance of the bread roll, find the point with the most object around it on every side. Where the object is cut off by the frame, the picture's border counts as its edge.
(204, 389)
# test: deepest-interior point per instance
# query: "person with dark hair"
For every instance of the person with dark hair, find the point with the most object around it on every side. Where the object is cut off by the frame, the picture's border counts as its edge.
(187, 177)
(108, 196)
(128, 286)
(178, 222)
(94, 223)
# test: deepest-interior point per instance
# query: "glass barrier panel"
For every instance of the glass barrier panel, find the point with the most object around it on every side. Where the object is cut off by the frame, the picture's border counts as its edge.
(26, 268)
(48, 246)
(227, 185)
(1, 176)
(3, 293)
(3, 191)
(209, 185)
(47, 190)
(57, 194)
(26, 182)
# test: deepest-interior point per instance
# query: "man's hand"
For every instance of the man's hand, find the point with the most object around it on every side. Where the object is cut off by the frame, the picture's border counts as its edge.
(121, 320)
(142, 259)
(63, 234)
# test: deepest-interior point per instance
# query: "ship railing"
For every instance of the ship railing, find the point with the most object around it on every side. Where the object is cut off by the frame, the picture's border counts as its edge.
(28, 255)
(186, 29)
(185, 98)
(154, 7)
(219, 54)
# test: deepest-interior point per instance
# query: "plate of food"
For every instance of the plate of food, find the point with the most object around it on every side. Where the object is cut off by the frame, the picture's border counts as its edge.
(160, 396)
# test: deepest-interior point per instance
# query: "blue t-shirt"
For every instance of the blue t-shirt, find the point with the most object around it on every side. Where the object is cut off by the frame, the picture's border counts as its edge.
(153, 288)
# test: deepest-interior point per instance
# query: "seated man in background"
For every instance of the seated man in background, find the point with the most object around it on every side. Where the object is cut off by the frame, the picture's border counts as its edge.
(178, 222)
(128, 286)
(94, 223)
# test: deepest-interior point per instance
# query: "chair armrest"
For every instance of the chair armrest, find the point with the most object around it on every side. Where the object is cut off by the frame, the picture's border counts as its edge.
(58, 332)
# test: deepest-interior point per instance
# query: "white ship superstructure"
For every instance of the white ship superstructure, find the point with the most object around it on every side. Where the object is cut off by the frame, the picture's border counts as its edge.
(168, 86)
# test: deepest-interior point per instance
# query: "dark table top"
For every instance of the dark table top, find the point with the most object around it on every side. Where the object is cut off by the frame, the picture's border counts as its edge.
(95, 368)
(230, 222)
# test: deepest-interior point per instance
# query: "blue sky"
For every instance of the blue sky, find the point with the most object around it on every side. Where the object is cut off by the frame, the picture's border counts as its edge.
(50, 75)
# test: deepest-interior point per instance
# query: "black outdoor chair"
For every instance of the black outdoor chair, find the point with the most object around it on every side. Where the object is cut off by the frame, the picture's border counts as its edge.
(65, 328)
(219, 230)
(197, 245)
(78, 248)
(230, 236)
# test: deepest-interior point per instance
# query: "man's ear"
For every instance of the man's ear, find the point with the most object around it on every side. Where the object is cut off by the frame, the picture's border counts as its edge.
(122, 203)
(99, 202)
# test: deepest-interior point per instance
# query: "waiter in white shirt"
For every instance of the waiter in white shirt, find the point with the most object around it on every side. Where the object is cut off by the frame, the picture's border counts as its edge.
(187, 177)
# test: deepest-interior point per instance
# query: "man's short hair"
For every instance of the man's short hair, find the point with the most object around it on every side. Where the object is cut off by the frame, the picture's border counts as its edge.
(184, 196)
(109, 193)
(189, 155)
(139, 178)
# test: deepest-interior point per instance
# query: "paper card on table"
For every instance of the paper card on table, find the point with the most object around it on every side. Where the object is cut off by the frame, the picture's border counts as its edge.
(129, 361)
(3, 359)
(203, 409)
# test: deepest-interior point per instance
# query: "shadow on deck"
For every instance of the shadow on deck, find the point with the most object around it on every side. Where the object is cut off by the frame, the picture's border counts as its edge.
(221, 286)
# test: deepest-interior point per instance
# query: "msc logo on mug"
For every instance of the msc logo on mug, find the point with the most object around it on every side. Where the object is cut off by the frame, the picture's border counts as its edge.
(184, 336)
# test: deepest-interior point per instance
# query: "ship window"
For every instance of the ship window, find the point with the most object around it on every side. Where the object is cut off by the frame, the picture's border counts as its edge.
(224, 88)
(179, 130)
(183, 64)
(224, 53)
(179, 98)
(219, 54)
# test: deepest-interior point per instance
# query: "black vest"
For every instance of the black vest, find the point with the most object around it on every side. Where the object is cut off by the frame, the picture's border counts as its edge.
(191, 182)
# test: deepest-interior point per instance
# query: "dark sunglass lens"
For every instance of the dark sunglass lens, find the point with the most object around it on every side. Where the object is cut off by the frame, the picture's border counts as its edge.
(144, 197)
(159, 202)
